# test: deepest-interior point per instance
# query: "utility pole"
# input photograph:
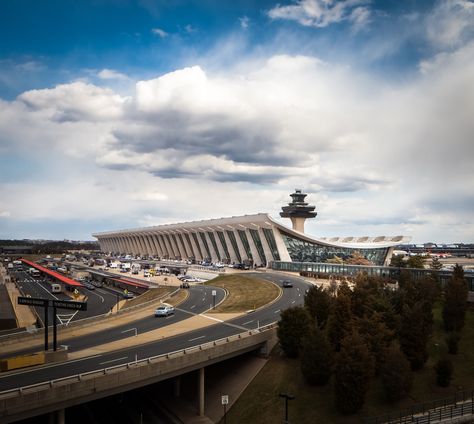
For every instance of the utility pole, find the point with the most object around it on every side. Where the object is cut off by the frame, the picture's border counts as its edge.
(287, 397)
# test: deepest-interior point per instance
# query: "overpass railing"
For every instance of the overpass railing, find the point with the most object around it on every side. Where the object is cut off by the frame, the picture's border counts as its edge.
(64, 381)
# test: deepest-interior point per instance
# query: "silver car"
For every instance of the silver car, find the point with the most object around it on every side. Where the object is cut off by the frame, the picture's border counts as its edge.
(164, 311)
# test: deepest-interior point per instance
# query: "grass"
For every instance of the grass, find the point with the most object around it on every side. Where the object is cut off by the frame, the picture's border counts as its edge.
(261, 404)
(244, 293)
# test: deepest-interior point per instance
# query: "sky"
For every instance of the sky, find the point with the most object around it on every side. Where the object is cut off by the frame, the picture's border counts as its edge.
(120, 114)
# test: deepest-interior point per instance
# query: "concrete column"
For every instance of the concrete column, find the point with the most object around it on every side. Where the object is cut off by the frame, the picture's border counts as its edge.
(182, 250)
(164, 245)
(177, 386)
(230, 248)
(201, 392)
(253, 248)
(266, 248)
(220, 248)
(282, 250)
(184, 244)
(201, 245)
(214, 254)
(161, 249)
(197, 254)
(169, 248)
(242, 251)
(61, 416)
(149, 249)
(134, 244)
(125, 245)
(152, 244)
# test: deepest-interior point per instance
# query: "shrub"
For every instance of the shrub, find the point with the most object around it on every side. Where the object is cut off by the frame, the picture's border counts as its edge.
(444, 372)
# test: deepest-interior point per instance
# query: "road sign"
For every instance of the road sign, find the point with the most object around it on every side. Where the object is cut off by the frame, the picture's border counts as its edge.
(225, 399)
(70, 304)
(76, 293)
(214, 292)
(32, 301)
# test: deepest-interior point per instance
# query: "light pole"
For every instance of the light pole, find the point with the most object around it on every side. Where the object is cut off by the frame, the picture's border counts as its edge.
(287, 397)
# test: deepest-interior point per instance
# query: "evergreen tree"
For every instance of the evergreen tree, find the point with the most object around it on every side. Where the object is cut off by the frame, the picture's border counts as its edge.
(436, 264)
(340, 321)
(352, 374)
(413, 335)
(318, 303)
(444, 372)
(293, 327)
(398, 261)
(416, 261)
(452, 341)
(317, 358)
(395, 374)
(455, 301)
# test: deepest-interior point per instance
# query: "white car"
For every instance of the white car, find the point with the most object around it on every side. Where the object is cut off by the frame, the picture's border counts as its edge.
(164, 311)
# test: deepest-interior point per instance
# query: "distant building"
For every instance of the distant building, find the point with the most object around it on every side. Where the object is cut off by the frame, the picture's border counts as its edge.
(15, 250)
(256, 239)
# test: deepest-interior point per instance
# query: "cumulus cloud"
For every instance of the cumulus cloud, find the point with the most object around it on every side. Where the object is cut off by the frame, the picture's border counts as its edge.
(244, 22)
(110, 74)
(160, 32)
(322, 13)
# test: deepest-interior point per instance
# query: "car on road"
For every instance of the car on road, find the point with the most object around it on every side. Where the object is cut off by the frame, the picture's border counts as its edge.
(184, 285)
(88, 285)
(287, 284)
(164, 311)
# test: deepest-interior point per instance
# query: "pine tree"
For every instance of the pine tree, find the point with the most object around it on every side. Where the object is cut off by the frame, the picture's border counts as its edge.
(317, 358)
(455, 301)
(340, 321)
(444, 372)
(318, 303)
(352, 374)
(395, 374)
(436, 264)
(293, 327)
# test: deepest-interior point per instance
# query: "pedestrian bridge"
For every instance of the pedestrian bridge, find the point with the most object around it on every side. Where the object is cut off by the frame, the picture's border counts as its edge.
(56, 395)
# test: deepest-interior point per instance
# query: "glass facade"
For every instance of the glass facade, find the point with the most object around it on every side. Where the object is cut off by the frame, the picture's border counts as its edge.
(224, 244)
(305, 251)
(245, 242)
(233, 241)
(258, 244)
(271, 243)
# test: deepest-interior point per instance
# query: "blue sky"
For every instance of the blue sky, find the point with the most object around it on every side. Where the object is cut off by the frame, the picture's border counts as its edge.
(126, 113)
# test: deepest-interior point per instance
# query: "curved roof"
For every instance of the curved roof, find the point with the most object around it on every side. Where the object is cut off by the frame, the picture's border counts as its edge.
(266, 221)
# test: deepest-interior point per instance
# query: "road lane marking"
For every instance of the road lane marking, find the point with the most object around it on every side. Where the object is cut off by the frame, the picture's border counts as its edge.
(248, 322)
(196, 338)
(192, 307)
(113, 360)
(277, 311)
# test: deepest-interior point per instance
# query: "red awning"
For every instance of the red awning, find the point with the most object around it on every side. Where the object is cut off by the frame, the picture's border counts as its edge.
(132, 283)
(57, 275)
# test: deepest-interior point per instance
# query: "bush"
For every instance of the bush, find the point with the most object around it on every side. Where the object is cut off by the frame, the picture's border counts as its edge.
(444, 372)
(316, 358)
(292, 328)
(396, 374)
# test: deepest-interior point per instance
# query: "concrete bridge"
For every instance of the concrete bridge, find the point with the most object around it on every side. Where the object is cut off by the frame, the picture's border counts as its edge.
(56, 395)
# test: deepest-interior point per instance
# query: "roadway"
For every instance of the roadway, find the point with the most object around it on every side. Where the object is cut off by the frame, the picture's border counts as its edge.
(266, 315)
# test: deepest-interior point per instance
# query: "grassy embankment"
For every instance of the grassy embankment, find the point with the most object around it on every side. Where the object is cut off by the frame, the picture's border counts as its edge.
(152, 294)
(261, 404)
(244, 293)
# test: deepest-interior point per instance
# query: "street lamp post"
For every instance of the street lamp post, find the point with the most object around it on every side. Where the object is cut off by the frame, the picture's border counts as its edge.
(287, 397)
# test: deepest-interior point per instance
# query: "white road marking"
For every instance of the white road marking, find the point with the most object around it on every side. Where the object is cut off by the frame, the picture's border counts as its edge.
(196, 338)
(192, 307)
(113, 360)
(47, 291)
(293, 301)
(248, 322)
(103, 300)
(277, 311)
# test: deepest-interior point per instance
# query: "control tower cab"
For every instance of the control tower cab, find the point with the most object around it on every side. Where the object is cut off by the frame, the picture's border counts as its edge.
(298, 210)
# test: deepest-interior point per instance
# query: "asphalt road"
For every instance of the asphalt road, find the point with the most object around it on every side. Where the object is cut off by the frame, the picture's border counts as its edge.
(291, 297)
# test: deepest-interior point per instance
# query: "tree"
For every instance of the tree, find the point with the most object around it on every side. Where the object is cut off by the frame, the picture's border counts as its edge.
(455, 301)
(292, 328)
(316, 358)
(340, 321)
(444, 372)
(318, 303)
(335, 260)
(416, 261)
(358, 259)
(436, 264)
(413, 335)
(452, 341)
(395, 374)
(352, 374)
(398, 261)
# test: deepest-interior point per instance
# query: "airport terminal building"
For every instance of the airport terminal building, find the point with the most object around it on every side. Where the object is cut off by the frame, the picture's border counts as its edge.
(256, 240)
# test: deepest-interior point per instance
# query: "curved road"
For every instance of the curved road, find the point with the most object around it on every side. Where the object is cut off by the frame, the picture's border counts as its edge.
(266, 315)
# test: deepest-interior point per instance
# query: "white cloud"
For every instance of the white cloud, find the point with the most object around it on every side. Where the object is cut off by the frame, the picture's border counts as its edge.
(376, 157)
(190, 29)
(322, 13)
(451, 23)
(244, 22)
(110, 74)
(160, 32)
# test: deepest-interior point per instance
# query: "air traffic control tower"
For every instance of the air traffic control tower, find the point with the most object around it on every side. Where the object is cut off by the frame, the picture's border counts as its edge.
(298, 210)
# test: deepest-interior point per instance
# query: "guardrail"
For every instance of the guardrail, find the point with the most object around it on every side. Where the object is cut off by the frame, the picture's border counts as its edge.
(461, 404)
(59, 382)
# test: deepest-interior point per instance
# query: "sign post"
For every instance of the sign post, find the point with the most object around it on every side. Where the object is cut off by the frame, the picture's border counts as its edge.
(225, 401)
(214, 292)
(56, 304)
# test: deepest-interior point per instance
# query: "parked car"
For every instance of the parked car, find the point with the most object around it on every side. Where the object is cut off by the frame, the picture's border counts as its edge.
(164, 311)
(184, 285)
(287, 283)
